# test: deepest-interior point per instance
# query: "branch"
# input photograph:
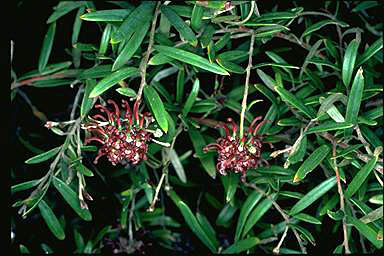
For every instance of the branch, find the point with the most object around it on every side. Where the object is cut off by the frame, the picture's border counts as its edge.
(144, 62)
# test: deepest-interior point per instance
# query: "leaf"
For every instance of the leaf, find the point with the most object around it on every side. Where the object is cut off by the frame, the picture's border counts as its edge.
(313, 195)
(51, 220)
(230, 66)
(376, 199)
(307, 218)
(366, 231)
(305, 232)
(77, 25)
(266, 92)
(329, 126)
(101, 234)
(178, 23)
(206, 36)
(246, 209)
(364, 5)
(87, 103)
(116, 15)
(71, 198)
(191, 221)
(157, 107)
(131, 46)
(368, 53)
(126, 92)
(327, 103)
(373, 215)
(225, 216)
(349, 62)
(47, 47)
(113, 79)
(136, 19)
(180, 85)
(99, 71)
(232, 181)
(190, 58)
(24, 186)
(63, 8)
(256, 214)
(43, 156)
(177, 165)
(268, 81)
(354, 101)
(197, 17)
(294, 101)
(242, 245)
(360, 177)
(321, 24)
(104, 41)
(192, 97)
(207, 227)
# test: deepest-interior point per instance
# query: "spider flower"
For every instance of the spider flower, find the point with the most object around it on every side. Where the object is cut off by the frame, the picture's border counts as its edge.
(238, 154)
(123, 134)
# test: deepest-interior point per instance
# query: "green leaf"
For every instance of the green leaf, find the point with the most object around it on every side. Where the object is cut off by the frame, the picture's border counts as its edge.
(23, 249)
(321, 24)
(337, 216)
(207, 227)
(113, 79)
(364, 5)
(327, 103)
(177, 165)
(79, 240)
(190, 58)
(99, 71)
(246, 209)
(131, 46)
(105, 39)
(206, 36)
(192, 97)
(256, 214)
(354, 101)
(157, 107)
(191, 221)
(349, 62)
(43, 156)
(366, 231)
(222, 42)
(307, 218)
(376, 199)
(313, 195)
(373, 215)
(242, 245)
(47, 47)
(24, 186)
(305, 232)
(329, 126)
(77, 25)
(71, 198)
(230, 66)
(51, 220)
(268, 81)
(87, 103)
(368, 53)
(266, 92)
(294, 101)
(126, 92)
(197, 17)
(178, 23)
(112, 15)
(136, 19)
(63, 8)
(360, 177)
(225, 216)
(231, 182)
(180, 85)
(101, 234)
(298, 154)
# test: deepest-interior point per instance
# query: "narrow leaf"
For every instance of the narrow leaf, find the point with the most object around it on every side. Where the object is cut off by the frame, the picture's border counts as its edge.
(329, 126)
(51, 220)
(307, 218)
(47, 47)
(242, 245)
(349, 62)
(368, 53)
(192, 97)
(87, 102)
(256, 215)
(313, 195)
(177, 165)
(117, 15)
(366, 231)
(126, 92)
(321, 24)
(43, 156)
(157, 107)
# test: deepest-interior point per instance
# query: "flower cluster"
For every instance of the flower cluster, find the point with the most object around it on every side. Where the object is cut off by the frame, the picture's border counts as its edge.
(235, 153)
(124, 135)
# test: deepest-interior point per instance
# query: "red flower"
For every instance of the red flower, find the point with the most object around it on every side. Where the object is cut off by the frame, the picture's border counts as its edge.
(124, 135)
(237, 154)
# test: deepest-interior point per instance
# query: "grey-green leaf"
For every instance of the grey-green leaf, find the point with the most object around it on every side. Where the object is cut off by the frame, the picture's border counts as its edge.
(71, 198)
(43, 156)
(51, 220)
(368, 53)
(190, 58)
(256, 214)
(192, 97)
(47, 47)
(366, 231)
(113, 79)
(313, 195)
(157, 107)
(242, 245)
(87, 102)
(349, 62)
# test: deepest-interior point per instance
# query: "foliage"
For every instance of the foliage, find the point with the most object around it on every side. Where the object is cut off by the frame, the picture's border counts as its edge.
(311, 73)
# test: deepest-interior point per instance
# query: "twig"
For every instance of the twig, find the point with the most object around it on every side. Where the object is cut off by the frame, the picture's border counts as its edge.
(276, 250)
(342, 206)
(76, 102)
(144, 62)
(244, 102)
(361, 138)
(39, 78)
(283, 214)
(130, 233)
(246, 19)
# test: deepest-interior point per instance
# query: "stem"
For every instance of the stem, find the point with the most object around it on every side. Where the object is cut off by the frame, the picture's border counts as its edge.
(342, 206)
(244, 102)
(144, 63)
(246, 19)
(276, 250)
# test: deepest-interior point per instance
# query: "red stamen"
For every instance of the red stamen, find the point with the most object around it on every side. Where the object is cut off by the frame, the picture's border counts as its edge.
(105, 110)
(259, 125)
(128, 113)
(98, 116)
(234, 125)
(136, 111)
(253, 123)
(87, 140)
(117, 111)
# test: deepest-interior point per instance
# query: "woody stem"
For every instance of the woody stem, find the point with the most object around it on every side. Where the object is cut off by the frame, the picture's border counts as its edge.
(244, 102)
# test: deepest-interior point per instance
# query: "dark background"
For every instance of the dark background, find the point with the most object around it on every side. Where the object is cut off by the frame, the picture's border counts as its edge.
(28, 32)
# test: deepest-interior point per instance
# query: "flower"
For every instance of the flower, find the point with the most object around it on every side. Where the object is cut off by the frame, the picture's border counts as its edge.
(124, 135)
(235, 153)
